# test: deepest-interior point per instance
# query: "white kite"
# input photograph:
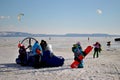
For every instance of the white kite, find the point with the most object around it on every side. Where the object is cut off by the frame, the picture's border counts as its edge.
(19, 16)
(99, 11)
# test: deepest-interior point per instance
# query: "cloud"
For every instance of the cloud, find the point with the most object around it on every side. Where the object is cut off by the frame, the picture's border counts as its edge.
(99, 11)
(4, 17)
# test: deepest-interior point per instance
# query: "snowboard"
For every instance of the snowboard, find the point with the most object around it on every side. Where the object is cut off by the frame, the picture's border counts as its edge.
(81, 57)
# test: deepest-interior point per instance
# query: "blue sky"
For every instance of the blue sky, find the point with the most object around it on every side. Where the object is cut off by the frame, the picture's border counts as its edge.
(61, 16)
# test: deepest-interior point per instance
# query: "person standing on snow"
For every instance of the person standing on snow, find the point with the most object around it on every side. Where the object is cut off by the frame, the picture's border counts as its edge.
(97, 49)
(77, 50)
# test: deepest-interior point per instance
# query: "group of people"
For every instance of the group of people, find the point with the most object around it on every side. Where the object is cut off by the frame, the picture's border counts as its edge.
(41, 55)
(77, 50)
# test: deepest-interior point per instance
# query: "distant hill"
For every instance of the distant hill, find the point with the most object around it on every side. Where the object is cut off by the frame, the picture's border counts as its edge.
(24, 34)
(88, 35)
(18, 34)
(13, 34)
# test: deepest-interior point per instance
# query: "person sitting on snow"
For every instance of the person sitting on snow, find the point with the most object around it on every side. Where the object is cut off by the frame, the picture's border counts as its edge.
(22, 57)
(46, 47)
(49, 59)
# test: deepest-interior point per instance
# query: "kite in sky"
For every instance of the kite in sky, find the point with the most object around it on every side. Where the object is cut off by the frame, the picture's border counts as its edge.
(99, 11)
(19, 16)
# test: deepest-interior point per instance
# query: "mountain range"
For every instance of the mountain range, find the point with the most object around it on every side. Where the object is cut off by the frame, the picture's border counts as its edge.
(25, 34)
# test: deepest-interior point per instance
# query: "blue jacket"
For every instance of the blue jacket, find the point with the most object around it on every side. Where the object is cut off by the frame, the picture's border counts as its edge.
(36, 46)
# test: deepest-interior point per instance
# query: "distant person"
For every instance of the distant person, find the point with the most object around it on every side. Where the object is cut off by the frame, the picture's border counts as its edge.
(97, 49)
(88, 39)
(109, 43)
(77, 50)
(49, 38)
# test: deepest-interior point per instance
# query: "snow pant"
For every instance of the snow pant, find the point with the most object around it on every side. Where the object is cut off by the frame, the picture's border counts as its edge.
(22, 60)
(81, 64)
(96, 51)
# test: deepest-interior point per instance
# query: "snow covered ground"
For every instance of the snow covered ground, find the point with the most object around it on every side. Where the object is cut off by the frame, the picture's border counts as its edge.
(106, 67)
